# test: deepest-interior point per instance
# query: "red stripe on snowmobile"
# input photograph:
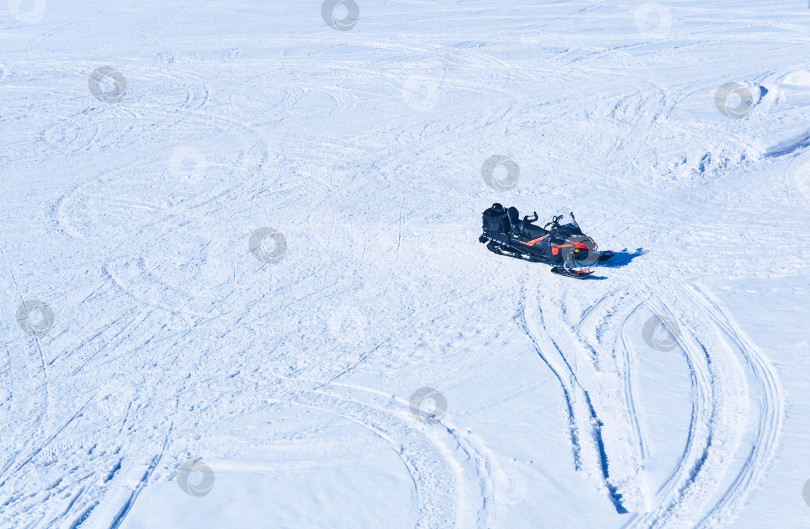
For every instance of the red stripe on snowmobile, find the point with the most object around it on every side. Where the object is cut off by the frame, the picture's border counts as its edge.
(534, 241)
(577, 245)
(556, 249)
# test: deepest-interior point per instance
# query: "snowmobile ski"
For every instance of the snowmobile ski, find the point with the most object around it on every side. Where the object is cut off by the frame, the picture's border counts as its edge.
(567, 272)
(604, 256)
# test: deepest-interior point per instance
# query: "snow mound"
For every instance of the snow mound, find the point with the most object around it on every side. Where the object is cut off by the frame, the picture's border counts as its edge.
(799, 78)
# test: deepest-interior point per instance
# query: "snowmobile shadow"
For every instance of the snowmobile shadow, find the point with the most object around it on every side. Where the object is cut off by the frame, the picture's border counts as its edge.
(594, 277)
(623, 258)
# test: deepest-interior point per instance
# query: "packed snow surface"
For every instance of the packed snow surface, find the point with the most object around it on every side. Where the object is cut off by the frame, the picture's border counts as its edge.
(241, 283)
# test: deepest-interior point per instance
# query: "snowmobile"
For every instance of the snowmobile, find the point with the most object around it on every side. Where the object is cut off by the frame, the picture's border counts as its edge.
(562, 245)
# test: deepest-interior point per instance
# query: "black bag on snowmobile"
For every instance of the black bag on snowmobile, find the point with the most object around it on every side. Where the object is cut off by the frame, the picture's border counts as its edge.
(496, 220)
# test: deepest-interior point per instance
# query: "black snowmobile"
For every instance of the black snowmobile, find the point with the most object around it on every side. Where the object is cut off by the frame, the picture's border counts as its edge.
(562, 245)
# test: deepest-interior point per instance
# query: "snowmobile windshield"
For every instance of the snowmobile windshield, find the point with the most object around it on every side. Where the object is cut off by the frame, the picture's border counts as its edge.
(565, 228)
(569, 219)
(564, 220)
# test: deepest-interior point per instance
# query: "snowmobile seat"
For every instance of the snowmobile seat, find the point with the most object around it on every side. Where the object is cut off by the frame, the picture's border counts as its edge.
(530, 230)
(525, 227)
(514, 215)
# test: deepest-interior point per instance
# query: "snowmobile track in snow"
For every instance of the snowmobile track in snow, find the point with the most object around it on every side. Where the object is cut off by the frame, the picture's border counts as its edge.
(770, 411)
(715, 434)
(585, 428)
(717, 416)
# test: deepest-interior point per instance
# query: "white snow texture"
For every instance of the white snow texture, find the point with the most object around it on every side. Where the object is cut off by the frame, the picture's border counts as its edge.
(242, 286)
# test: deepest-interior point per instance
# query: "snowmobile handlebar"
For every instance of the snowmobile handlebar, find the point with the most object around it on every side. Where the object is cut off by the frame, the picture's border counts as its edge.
(555, 221)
